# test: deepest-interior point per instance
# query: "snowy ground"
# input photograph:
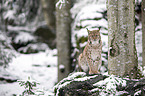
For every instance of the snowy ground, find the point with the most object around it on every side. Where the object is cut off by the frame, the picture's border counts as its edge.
(35, 66)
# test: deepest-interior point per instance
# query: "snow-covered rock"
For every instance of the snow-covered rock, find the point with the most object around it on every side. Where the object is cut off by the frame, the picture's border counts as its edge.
(80, 84)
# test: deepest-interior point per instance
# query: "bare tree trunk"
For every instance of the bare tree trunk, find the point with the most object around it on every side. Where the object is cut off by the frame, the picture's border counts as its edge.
(122, 53)
(63, 29)
(48, 7)
(143, 32)
(3, 24)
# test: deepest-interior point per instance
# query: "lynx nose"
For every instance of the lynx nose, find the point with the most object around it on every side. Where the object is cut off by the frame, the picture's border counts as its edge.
(95, 39)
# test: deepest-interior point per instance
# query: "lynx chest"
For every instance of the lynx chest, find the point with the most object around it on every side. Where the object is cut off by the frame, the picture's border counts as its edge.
(94, 54)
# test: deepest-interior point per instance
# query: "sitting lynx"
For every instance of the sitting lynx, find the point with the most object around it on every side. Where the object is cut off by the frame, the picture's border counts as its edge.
(90, 59)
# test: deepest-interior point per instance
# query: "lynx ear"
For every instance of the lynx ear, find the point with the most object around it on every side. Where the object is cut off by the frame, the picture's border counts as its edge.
(99, 28)
(88, 30)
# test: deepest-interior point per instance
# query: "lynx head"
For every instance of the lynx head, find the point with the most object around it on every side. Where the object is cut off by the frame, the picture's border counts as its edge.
(94, 37)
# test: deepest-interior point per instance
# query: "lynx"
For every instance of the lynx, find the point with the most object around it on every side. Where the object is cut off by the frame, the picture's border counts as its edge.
(90, 59)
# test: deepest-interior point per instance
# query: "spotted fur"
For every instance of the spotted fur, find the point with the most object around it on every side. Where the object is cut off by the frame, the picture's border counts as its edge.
(90, 59)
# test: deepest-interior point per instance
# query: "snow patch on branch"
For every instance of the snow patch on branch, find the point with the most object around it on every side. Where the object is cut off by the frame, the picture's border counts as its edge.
(24, 37)
(60, 3)
(10, 15)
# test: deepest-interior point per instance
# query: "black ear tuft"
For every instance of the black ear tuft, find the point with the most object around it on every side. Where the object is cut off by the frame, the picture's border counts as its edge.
(88, 30)
(99, 28)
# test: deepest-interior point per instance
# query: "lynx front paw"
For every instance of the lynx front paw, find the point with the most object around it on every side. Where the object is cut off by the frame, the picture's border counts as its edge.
(94, 72)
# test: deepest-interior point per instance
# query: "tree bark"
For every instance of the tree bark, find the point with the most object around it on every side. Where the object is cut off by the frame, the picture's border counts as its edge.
(143, 32)
(48, 7)
(63, 29)
(122, 59)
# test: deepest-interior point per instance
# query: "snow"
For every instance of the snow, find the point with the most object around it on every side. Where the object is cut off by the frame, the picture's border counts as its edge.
(109, 85)
(34, 66)
(60, 3)
(110, 82)
(138, 1)
(38, 46)
(77, 76)
(9, 89)
(24, 37)
(82, 32)
(94, 23)
(83, 44)
(105, 87)
(85, 78)
(67, 81)
(91, 4)
(9, 15)
(91, 15)
(138, 42)
(19, 28)
(61, 66)
(88, 14)
(143, 71)
(137, 93)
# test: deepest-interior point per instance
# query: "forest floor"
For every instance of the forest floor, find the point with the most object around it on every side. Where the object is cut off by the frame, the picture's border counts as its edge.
(41, 67)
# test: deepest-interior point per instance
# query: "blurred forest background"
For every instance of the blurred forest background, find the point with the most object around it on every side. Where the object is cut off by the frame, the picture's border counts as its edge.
(28, 31)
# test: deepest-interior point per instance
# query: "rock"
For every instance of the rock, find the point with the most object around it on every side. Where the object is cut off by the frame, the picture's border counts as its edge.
(80, 84)
(27, 42)
(46, 35)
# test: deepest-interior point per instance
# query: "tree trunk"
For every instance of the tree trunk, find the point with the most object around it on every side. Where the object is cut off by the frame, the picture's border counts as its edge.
(63, 29)
(3, 25)
(122, 53)
(143, 32)
(48, 7)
